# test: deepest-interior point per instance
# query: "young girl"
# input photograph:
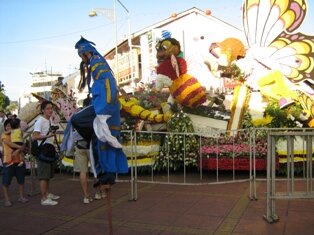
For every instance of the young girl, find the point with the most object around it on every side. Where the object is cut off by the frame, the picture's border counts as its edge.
(11, 168)
(17, 138)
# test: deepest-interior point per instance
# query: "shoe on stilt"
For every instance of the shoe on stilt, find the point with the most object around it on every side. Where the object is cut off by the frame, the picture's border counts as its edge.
(105, 179)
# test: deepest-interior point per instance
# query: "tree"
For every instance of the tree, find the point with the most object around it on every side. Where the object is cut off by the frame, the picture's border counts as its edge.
(12, 106)
(4, 100)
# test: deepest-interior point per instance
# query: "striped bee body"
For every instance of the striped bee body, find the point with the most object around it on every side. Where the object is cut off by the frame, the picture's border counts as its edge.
(187, 91)
(184, 88)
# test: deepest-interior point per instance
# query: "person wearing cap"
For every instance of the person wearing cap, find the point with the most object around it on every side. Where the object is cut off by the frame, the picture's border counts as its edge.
(99, 123)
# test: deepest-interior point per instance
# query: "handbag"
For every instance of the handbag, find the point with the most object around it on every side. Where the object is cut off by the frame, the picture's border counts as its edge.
(35, 148)
(47, 153)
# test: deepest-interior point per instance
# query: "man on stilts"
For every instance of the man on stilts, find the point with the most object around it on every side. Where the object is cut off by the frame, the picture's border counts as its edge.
(99, 123)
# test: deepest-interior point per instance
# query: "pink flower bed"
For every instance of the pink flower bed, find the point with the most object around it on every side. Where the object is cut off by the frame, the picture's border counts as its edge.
(229, 164)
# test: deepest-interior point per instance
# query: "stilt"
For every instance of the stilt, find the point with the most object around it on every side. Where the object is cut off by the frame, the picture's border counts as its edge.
(107, 189)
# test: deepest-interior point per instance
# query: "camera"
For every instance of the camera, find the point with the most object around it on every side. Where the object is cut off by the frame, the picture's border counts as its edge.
(54, 128)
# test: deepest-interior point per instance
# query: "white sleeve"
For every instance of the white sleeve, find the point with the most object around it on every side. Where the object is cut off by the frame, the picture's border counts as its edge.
(37, 125)
(102, 131)
(162, 81)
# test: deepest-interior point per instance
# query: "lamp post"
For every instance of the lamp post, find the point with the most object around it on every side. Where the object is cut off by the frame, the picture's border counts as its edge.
(113, 16)
(130, 44)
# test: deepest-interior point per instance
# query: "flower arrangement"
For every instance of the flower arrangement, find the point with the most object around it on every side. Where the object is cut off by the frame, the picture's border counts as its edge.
(229, 147)
(150, 100)
(228, 153)
(277, 117)
(132, 107)
(290, 116)
(178, 149)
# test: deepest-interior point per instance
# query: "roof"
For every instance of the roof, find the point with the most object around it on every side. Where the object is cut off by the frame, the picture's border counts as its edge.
(179, 16)
(170, 20)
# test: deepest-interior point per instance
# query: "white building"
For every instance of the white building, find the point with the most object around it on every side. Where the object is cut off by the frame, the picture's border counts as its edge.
(72, 81)
(194, 29)
(41, 85)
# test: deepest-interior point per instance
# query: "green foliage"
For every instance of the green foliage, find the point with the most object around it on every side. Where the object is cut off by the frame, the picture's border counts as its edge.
(288, 117)
(247, 120)
(4, 100)
(232, 71)
(283, 118)
(12, 106)
(179, 149)
(299, 169)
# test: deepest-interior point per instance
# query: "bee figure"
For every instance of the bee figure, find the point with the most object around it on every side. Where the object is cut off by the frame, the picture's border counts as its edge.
(185, 89)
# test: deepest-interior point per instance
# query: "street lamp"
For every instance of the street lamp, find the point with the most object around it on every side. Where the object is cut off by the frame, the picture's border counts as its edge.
(130, 44)
(113, 17)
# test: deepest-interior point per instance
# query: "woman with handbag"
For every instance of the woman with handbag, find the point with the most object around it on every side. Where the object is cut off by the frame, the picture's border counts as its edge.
(45, 169)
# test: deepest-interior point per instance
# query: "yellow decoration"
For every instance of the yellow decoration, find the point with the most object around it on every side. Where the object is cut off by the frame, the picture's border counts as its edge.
(295, 159)
(262, 122)
(274, 86)
(311, 123)
(232, 48)
(239, 104)
(131, 106)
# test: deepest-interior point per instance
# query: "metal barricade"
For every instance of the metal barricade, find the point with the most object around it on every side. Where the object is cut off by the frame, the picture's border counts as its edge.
(168, 176)
(291, 192)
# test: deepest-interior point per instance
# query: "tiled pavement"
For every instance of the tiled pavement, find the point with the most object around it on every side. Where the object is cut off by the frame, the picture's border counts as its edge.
(159, 209)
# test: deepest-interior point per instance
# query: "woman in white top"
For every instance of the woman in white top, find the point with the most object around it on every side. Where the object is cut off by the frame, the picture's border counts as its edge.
(45, 170)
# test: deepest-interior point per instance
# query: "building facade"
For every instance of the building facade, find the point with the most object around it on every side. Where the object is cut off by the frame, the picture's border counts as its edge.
(195, 29)
(42, 82)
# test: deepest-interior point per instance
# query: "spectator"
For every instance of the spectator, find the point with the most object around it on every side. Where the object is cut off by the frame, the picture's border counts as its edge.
(2, 116)
(81, 161)
(9, 115)
(45, 170)
(11, 166)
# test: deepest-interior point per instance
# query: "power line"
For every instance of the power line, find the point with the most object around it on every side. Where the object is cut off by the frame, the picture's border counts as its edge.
(51, 37)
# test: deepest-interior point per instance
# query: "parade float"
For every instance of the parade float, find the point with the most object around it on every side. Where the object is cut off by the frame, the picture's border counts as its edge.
(272, 79)
(275, 76)
(177, 122)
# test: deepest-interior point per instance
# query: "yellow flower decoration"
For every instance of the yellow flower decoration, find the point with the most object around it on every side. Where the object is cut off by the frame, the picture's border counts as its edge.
(262, 122)
(131, 106)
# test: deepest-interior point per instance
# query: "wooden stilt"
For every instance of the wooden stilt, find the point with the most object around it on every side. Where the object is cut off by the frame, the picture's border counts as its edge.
(107, 189)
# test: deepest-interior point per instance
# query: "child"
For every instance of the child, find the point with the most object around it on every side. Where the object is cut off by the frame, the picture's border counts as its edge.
(17, 138)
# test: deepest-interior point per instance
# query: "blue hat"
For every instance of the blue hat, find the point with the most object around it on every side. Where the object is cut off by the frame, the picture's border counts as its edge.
(165, 34)
(84, 45)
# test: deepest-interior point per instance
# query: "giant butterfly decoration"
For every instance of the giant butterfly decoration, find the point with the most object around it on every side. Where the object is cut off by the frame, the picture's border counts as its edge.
(273, 41)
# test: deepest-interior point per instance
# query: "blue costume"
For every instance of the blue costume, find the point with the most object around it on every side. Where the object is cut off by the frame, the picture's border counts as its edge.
(99, 123)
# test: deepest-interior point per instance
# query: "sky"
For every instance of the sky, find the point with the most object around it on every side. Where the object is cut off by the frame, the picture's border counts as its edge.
(37, 35)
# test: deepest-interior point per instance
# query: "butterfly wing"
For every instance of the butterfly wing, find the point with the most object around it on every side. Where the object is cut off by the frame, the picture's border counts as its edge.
(269, 27)
(264, 20)
(306, 102)
(295, 55)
